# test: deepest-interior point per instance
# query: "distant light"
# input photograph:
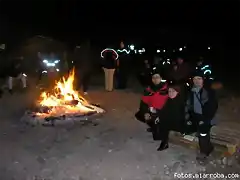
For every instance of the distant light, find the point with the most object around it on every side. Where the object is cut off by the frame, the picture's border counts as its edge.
(168, 59)
(45, 61)
(180, 49)
(57, 70)
(158, 51)
(24, 74)
(72, 61)
(140, 51)
(135, 51)
(164, 50)
(132, 47)
(185, 47)
(57, 61)
(173, 50)
(143, 49)
(209, 47)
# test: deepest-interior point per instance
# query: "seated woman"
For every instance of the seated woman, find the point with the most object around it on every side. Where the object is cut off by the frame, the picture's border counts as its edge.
(171, 117)
(152, 101)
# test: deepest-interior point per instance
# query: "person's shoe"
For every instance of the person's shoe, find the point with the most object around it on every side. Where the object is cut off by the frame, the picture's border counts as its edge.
(85, 93)
(162, 146)
(10, 91)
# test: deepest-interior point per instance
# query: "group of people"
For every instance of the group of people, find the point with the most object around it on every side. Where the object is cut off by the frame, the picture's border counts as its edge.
(166, 107)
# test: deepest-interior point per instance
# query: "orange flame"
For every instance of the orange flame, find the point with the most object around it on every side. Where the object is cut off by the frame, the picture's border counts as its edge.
(65, 93)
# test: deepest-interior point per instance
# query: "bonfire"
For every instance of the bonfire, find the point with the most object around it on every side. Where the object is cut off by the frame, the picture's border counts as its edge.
(64, 101)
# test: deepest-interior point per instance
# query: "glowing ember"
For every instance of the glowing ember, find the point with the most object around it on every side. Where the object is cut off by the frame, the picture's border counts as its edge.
(65, 100)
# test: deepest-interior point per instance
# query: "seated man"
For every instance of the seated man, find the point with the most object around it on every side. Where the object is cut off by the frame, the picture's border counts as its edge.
(201, 108)
(16, 71)
(153, 99)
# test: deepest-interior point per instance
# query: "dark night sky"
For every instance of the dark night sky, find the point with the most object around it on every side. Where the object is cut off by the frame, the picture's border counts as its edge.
(64, 17)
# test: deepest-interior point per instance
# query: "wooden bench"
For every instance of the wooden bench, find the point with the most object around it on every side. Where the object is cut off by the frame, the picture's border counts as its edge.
(225, 139)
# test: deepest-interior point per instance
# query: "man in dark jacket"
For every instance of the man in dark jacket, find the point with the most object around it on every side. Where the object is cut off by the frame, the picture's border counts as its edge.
(83, 65)
(201, 108)
(122, 67)
(16, 70)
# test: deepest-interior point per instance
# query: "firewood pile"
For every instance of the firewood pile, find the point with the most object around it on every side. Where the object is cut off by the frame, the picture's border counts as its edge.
(41, 115)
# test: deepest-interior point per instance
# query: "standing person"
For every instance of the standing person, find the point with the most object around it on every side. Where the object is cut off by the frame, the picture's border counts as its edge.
(109, 64)
(152, 102)
(172, 115)
(183, 70)
(122, 69)
(145, 74)
(39, 67)
(201, 108)
(84, 65)
(16, 71)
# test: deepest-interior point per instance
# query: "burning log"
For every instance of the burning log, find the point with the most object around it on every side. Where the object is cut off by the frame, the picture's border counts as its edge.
(65, 105)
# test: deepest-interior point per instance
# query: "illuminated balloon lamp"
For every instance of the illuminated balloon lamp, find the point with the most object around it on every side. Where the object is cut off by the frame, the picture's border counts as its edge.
(209, 48)
(180, 49)
(158, 51)
(204, 67)
(109, 49)
(131, 47)
(207, 71)
(123, 50)
(164, 50)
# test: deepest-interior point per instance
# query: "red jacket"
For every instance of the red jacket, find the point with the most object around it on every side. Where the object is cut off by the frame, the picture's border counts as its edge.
(155, 99)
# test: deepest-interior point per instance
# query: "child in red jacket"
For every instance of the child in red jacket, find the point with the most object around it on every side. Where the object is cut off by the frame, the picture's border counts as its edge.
(152, 101)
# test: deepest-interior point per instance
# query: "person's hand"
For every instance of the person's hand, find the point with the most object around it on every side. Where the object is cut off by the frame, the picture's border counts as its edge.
(157, 120)
(147, 116)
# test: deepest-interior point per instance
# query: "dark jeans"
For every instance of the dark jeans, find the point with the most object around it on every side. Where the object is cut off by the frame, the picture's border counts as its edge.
(84, 81)
(122, 77)
(151, 123)
(205, 144)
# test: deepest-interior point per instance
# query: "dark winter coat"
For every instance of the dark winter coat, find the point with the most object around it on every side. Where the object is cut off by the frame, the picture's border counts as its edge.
(209, 105)
(15, 68)
(82, 58)
(154, 96)
(172, 114)
(109, 59)
(183, 72)
(123, 61)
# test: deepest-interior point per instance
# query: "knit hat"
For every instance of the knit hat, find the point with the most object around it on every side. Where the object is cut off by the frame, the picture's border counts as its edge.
(198, 73)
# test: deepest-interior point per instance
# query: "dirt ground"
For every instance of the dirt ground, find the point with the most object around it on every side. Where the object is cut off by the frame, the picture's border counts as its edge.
(118, 148)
